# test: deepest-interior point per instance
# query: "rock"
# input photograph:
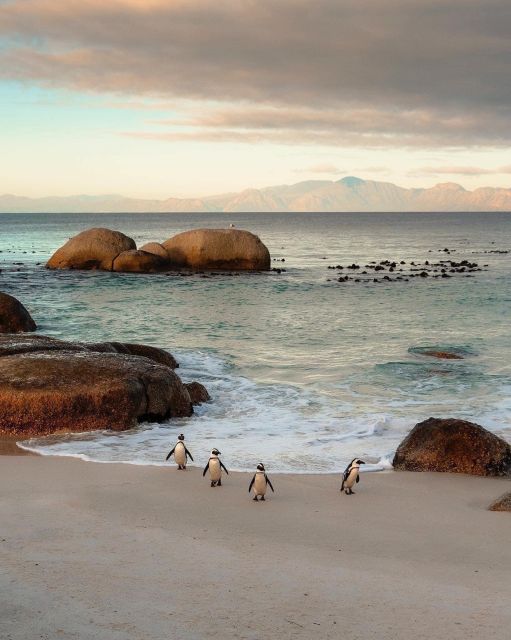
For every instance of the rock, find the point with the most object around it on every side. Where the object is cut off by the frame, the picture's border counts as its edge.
(230, 249)
(50, 386)
(455, 446)
(156, 248)
(444, 355)
(136, 261)
(14, 318)
(501, 504)
(198, 392)
(91, 249)
(153, 353)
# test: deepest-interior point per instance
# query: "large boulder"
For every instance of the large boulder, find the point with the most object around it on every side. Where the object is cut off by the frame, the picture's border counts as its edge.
(51, 386)
(501, 504)
(137, 261)
(453, 445)
(231, 249)
(14, 318)
(156, 248)
(91, 249)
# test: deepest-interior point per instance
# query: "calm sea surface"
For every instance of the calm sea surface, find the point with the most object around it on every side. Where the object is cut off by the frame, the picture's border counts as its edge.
(304, 373)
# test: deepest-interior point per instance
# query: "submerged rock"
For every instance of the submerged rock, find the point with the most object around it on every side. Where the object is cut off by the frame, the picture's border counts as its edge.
(501, 504)
(231, 249)
(455, 446)
(94, 248)
(14, 318)
(51, 386)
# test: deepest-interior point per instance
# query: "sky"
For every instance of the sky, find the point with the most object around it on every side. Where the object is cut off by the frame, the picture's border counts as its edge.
(160, 98)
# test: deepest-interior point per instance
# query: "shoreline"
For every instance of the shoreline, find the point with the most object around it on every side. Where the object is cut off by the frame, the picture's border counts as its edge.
(125, 552)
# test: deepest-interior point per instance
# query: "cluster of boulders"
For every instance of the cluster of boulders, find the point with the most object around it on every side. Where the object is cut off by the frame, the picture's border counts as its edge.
(205, 249)
(400, 271)
(51, 386)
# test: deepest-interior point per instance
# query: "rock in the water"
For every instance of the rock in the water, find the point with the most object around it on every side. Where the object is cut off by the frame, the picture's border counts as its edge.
(14, 318)
(198, 392)
(50, 386)
(156, 248)
(455, 446)
(153, 353)
(442, 355)
(501, 504)
(91, 249)
(229, 249)
(137, 261)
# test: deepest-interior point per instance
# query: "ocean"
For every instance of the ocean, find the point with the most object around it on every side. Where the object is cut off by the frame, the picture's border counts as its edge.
(305, 372)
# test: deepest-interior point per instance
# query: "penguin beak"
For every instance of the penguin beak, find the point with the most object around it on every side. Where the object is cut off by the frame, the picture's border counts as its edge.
(361, 462)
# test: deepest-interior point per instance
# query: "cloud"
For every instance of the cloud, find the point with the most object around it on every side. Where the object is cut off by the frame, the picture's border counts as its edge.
(426, 73)
(460, 171)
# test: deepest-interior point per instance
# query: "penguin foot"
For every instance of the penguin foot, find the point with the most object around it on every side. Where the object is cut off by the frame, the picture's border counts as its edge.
(219, 483)
(263, 498)
(255, 499)
(213, 484)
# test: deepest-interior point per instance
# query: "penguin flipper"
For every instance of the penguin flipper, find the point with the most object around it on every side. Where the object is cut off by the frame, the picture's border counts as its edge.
(269, 483)
(170, 453)
(188, 454)
(224, 467)
(251, 484)
(205, 469)
(358, 478)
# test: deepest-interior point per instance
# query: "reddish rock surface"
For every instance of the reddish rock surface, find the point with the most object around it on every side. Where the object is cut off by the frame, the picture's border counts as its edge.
(137, 261)
(230, 249)
(50, 386)
(156, 248)
(443, 355)
(455, 446)
(153, 353)
(14, 318)
(94, 248)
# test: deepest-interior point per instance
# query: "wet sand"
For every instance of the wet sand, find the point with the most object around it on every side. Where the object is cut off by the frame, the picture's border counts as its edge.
(110, 551)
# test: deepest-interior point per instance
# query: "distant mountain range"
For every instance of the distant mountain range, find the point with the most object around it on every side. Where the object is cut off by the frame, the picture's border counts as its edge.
(348, 194)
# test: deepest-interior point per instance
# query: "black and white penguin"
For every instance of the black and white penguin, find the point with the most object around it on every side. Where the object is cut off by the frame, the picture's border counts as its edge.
(350, 476)
(215, 466)
(260, 483)
(180, 453)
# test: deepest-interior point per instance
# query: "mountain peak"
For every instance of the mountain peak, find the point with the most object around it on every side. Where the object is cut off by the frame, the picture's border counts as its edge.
(351, 181)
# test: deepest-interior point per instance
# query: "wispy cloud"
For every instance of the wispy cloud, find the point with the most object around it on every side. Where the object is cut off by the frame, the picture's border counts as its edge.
(460, 171)
(361, 72)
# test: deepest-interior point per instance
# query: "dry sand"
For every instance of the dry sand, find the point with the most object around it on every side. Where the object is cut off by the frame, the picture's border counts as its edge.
(104, 551)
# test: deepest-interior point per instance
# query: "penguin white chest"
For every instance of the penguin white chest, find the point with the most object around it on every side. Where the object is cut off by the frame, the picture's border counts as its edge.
(180, 454)
(259, 487)
(352, 478)
(214, 469)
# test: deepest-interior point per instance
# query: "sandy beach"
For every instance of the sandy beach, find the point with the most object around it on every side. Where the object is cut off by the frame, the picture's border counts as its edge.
(111, 551)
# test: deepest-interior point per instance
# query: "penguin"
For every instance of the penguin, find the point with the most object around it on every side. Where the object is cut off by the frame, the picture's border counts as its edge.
(180, 453)
(350, 476)
(260, 483)
(215, 466)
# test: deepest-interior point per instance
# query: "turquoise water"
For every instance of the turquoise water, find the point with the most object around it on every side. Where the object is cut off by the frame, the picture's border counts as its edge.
(304, 373)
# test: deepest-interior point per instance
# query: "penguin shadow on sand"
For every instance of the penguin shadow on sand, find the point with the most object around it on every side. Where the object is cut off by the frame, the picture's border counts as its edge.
(351, 476)
(215, 466)
(260, 483)
(180, 453)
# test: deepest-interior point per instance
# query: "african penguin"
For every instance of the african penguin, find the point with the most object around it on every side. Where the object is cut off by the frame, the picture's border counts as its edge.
(180, 453)
(260, 483)
(215, 466)
(350, 476)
